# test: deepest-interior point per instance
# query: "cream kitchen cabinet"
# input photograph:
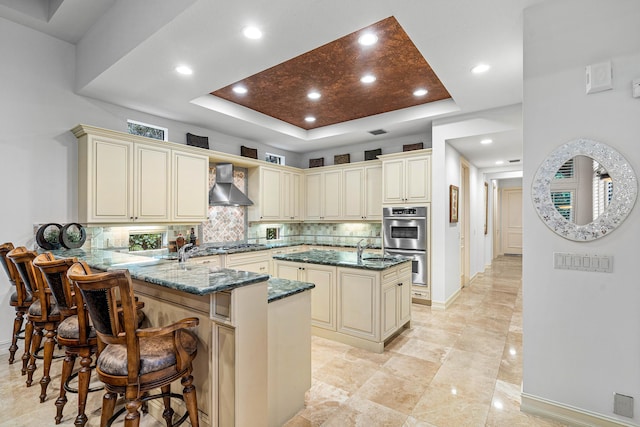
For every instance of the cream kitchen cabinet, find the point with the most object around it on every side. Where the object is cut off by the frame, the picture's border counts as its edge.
(190, 187)
(275, 193)
(123, 179)
(255, 262)
(323, 195)
(406, 178)
(362, 193)
(323, 296)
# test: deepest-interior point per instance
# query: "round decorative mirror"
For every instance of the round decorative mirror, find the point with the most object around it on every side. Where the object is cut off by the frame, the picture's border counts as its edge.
(584, 190)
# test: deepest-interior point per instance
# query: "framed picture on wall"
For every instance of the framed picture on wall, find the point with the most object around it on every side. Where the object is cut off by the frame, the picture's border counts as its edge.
(453, 203)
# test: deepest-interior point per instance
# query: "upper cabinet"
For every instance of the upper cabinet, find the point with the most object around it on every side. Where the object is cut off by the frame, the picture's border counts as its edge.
(406, 177)
(362, 195)
(190, 183)
(275, 193)
(122, 180)
(323, 194)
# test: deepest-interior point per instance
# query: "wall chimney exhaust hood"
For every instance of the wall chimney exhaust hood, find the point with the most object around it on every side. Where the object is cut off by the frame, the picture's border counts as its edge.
(223, 192)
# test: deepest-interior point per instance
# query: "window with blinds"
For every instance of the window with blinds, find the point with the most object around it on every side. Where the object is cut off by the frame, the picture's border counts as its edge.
(563, 202)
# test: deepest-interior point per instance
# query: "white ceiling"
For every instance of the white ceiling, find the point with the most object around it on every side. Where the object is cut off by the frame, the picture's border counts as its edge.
(127, 52)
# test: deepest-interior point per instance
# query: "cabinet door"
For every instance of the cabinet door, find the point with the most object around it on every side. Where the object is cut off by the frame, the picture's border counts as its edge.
(109, 197)
(323, 296)
(313, 196)
(270, 194)
(332, 195)
(190, 187)
(291, 195)
(284, 270)
(358, 303)
(152, 178)
(389, 309)
(353, 194)
(393, 181)
(404, 302)
(373, 193)
(418, 179)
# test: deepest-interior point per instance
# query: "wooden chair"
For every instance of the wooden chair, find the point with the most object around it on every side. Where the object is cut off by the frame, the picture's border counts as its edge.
(43, 314)
(135, 361)
(74, 332)
(20, 299)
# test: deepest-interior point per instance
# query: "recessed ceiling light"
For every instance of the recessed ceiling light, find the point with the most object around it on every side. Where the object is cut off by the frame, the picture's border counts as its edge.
(313, 95)
(499, 162)
(309, 119)
(252, 33)
(183, 69)
(240, 90)
(420, 92)
(369, 78)
(486, 141)
(367, 39)
(480, 68)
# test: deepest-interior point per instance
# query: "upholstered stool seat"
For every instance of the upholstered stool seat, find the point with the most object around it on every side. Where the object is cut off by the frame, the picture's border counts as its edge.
(69, 329)
(35, 309)
(14, 298)
(156, 354)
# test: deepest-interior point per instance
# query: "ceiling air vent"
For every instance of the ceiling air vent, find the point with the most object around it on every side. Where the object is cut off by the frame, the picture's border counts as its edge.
(514, 161)
(378, 132)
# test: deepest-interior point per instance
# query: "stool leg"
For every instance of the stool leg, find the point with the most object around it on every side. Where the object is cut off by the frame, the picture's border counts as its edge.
(28, 335)
(132, 418)
(36, 340)
(189, 394)
(167, 414)
(108, 405)
(17, 325)
(67, 368)
(49, 344)
(84, 378)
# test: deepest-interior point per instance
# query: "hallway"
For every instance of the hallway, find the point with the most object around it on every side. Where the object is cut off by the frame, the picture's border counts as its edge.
(459, 367)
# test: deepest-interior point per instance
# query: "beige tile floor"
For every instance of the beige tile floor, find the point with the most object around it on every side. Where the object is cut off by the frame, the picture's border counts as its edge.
(459, 367)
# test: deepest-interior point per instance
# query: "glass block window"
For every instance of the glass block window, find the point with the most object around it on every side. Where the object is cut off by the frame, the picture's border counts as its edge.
(274, 158)
(150, 131)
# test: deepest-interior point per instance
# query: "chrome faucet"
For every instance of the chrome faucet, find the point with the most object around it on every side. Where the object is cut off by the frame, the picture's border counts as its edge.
(183, 254)
(360, 249)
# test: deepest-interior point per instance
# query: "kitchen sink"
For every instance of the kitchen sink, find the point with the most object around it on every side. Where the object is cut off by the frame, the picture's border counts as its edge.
(377, 258)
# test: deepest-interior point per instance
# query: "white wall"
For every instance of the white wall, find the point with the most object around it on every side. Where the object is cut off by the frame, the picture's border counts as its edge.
(38, 153)
(581, 330)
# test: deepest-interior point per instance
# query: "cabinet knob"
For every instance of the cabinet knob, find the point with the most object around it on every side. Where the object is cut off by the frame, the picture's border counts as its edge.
(400, 284)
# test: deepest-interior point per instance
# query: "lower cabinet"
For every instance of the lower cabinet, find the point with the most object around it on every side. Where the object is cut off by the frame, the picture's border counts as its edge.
(356, 306)
(323, 296)
(255, 262)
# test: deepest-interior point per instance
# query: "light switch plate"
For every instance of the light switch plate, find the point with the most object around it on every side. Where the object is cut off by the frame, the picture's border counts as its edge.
(599, 77)
(582, 262)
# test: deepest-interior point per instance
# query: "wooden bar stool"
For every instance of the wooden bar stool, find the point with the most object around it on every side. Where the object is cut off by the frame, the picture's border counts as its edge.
(74, 333)
(136, 361)
(20, 300)
(43, 315)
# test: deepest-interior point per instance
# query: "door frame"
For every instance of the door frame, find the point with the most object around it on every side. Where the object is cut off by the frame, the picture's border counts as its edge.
(464, 209)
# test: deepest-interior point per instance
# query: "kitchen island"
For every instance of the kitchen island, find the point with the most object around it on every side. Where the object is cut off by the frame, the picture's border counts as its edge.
(248, 327)
(361, 302)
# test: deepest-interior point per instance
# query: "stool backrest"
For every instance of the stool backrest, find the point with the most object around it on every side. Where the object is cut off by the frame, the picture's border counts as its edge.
(9, 267)
(32, 278)
(54, 272)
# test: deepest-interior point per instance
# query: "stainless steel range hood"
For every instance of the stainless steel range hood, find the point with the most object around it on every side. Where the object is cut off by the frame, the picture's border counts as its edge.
(223, 192)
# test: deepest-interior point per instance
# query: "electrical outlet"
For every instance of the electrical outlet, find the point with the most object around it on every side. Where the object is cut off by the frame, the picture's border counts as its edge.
(623, 405)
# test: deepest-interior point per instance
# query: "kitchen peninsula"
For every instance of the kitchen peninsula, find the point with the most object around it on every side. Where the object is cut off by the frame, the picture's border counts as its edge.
(361, 301)
(241, 372)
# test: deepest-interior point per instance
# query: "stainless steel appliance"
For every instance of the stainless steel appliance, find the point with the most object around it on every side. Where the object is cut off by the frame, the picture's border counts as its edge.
(405, 232)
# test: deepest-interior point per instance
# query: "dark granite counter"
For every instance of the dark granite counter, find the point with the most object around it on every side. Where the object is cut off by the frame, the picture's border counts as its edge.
(369, 261)
(191, 278)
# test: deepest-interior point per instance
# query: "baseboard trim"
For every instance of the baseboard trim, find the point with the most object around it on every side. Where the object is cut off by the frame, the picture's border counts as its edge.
(567, 414)
(439, 305)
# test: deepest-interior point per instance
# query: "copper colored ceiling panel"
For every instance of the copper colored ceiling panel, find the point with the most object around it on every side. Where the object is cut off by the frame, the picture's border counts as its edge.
(335, 70)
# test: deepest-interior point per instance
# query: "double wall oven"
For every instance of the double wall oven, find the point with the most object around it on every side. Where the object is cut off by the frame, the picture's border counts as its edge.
(406, 233)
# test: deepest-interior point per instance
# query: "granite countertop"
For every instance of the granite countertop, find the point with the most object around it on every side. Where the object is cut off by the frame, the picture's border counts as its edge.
(345, 259)
(192, 278)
